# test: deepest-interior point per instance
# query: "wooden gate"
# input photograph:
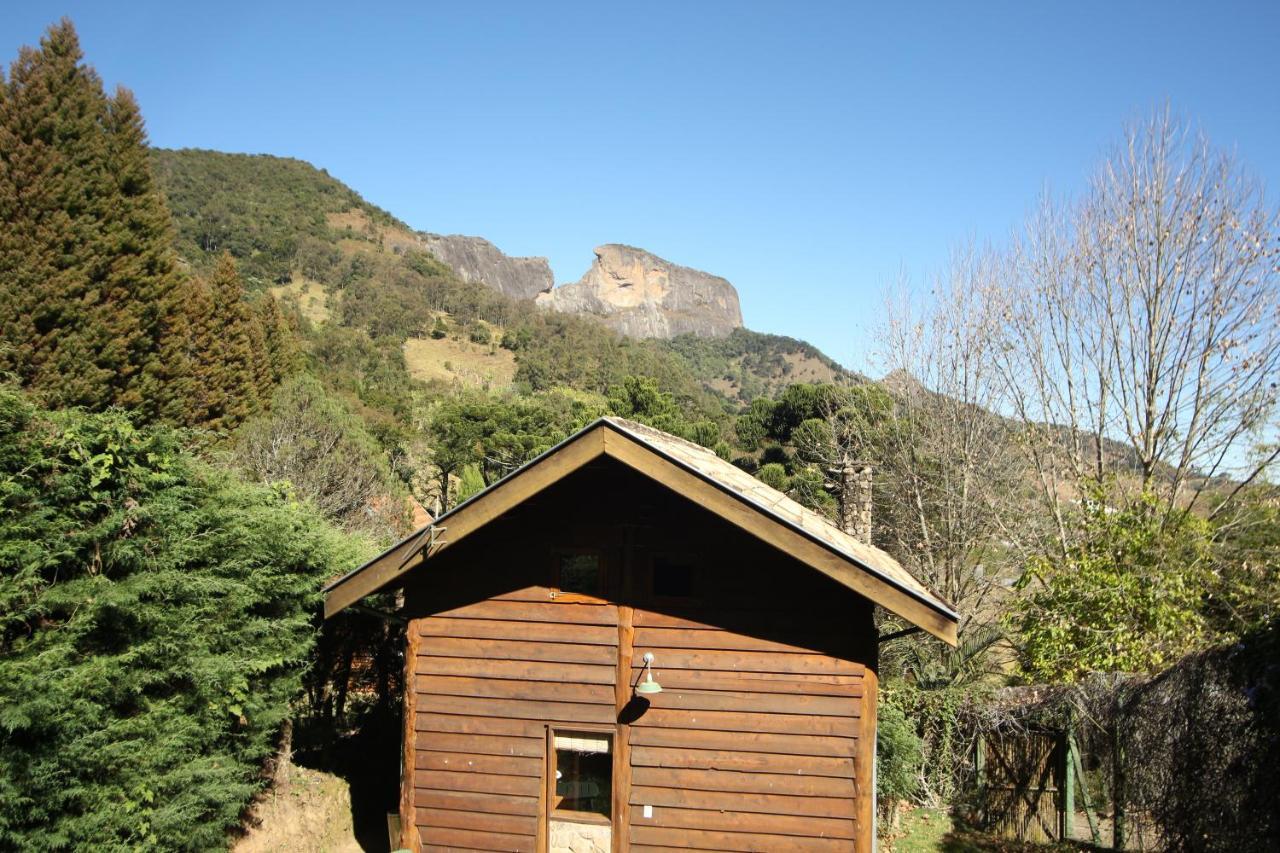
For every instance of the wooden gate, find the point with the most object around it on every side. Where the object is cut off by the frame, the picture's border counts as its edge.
(1021, 778)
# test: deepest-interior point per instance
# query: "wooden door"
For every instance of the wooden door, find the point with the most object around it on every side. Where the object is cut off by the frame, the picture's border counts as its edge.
(1022, 782)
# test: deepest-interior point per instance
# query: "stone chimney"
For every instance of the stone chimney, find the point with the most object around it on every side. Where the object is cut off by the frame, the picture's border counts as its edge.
(855, 500)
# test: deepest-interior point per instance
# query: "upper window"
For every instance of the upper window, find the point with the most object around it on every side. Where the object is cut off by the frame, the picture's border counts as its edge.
(583, 775)
(673, 577)
(579, 573)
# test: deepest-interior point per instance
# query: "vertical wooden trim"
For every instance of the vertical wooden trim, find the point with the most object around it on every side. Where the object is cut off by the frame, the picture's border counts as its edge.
(410, 838)
(541, 842)
(864, 770)
(622, 742)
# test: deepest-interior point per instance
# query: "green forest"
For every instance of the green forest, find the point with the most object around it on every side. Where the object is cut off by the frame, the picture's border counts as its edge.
(209, 408)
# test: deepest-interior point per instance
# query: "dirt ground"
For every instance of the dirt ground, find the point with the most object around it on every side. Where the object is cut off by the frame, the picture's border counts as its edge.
(308, 811)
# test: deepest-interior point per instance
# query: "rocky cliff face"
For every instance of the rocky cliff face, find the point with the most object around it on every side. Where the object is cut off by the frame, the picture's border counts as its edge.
(476, 259)
(644, 296)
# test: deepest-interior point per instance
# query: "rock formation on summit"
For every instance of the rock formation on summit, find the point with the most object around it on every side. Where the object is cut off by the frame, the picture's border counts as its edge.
(476, 259)
(644, 296)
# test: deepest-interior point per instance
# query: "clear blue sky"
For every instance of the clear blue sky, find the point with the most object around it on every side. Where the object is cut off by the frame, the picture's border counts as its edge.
(806, 152)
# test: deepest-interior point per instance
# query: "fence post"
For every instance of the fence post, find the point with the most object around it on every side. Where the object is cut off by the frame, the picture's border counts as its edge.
(1069, 783)
(1117, 775)
(980, 776)
(1094, 832)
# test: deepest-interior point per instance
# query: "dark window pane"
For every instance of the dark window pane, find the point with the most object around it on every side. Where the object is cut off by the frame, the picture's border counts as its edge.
(580, 573)
(672, 578)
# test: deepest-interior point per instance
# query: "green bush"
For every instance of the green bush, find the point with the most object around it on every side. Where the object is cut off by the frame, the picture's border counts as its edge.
(155, 618)
(899, 752)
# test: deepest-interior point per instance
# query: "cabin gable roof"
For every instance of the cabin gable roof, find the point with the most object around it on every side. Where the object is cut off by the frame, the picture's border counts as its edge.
(689, 470)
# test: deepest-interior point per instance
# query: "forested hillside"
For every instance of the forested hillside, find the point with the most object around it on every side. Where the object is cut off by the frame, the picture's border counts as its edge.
(314, 242)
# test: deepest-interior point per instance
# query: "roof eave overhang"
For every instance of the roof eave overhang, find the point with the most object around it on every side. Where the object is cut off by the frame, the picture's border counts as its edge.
(603, 438)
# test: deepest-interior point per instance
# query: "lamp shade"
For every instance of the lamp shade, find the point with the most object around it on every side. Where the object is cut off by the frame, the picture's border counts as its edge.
(649, 686)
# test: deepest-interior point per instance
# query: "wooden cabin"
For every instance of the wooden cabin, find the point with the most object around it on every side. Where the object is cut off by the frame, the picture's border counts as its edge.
(531, 720)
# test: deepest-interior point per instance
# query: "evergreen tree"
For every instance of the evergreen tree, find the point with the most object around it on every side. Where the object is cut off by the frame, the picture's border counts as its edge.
(280, 342)
(89, 290)
(51, 123)
(227, 366)
(155, 618)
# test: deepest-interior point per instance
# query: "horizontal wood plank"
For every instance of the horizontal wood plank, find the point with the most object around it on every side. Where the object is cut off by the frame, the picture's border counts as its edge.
(507, 765)
(748, 762)
(793, 784)
(685, 638)
(519, 669)
(480, 783)
(521, 689)
(755, 823)
(536, 632)
(492, 650)
(762, 682)
(719, 660)
(486, 822)
(743, 741)
(439, 837)
(562, 712)
(479, 744)
(731, 721)
(738, 802)
(769, 703)
(473, 802)
(478, 725)
(736, 842)
(550, 612)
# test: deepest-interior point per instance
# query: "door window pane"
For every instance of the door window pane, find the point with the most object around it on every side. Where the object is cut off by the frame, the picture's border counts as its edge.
(584, 773)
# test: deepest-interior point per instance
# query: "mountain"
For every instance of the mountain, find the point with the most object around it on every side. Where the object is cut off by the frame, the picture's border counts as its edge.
(476, 259)
(348, 265)
(644, 296)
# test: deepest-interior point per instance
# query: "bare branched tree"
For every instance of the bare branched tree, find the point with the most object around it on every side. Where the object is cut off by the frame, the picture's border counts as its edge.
(1146, 315)
(952, 478)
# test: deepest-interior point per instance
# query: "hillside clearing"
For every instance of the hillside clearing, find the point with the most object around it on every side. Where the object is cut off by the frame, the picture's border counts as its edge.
(313, 302)
(459, 362)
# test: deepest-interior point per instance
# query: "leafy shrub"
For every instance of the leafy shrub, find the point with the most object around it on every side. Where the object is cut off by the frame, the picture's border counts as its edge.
(899, 752)
(1128, 596)
(155, 618)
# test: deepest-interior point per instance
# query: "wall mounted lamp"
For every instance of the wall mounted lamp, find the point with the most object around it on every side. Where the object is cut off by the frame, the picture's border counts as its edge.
(648, 686)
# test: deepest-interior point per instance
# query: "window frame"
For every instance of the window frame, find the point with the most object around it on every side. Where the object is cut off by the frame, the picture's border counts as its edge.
(570, 815)
(602, 586)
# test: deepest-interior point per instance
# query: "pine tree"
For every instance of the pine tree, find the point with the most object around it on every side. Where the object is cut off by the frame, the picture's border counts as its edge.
(280, 340)
(89, 288)
(50, 124)
(225, 362)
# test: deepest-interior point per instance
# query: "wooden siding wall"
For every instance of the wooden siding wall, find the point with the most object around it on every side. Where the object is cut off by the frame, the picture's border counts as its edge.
(750, 746)
(489, 679)
(756, 742)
